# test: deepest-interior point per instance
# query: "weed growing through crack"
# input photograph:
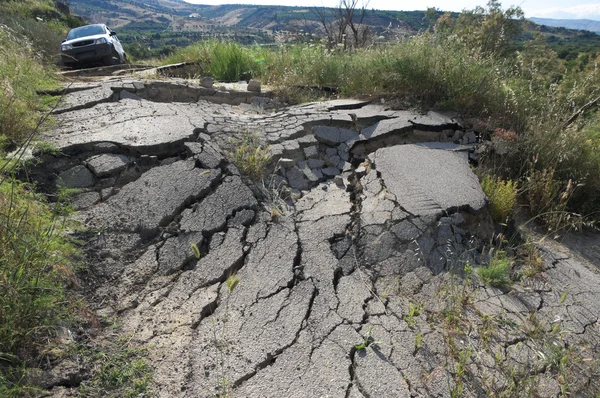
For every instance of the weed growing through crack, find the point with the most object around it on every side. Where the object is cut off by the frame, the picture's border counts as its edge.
(232, 282)
(250, 156)
(497, 272)
(413, 312)
(418, 342)
(464, 356)
(119, 370)
(368, 341)
(274, 192)
(224, 388)
(196, 250)
(531, 261)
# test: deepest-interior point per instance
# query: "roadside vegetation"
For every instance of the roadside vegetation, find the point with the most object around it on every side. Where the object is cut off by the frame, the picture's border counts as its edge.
(542, 110)
(40, 309)
(37, 262)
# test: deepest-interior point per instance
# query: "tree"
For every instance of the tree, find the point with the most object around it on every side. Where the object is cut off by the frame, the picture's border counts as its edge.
(490, 30)
(431, 16)
(344, 24)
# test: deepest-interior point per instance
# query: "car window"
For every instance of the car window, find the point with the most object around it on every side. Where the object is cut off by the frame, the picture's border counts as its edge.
(84, 31)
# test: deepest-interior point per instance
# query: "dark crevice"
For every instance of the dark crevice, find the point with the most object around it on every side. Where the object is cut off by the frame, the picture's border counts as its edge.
(297, 268)
(288, 286)
(285, 304)
(350, 106)
(436, 128)
(321, 340)
(87, 105)
(337, 275)
(207, 311)
(360, 388)
(352, 356)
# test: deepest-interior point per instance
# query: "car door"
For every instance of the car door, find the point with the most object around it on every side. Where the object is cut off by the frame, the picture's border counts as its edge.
(116, 42)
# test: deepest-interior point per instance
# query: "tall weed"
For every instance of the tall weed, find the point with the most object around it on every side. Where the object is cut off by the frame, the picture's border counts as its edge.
(225, 61)
(35, 267)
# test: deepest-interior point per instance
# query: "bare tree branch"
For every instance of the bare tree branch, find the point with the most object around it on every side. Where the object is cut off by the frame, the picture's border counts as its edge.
(584, 108)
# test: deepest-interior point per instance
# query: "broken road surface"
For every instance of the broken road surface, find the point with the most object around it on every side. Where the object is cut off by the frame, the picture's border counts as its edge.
(356, 287)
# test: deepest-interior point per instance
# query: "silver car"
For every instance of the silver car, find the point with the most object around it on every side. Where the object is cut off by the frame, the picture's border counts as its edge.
(91, 44)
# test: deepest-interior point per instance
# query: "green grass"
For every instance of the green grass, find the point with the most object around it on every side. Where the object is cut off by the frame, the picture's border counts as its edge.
(37, 261)
(120, 370)
(225, 61)
(36, 267)
(21, 74)
(497, 272)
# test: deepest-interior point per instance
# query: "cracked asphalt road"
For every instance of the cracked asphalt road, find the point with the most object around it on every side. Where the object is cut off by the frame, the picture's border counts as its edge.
(359, 289)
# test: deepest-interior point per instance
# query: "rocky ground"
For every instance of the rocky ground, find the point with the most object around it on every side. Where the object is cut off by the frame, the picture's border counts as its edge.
(349, 271)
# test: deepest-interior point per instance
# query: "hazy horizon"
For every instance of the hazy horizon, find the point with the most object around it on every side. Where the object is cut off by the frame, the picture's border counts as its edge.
(555, 9)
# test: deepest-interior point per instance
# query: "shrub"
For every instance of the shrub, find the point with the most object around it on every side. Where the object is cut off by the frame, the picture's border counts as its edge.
(497, 272)
(502, 196)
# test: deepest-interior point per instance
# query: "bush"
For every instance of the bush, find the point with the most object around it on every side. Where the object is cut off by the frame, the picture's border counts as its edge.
(502, 196)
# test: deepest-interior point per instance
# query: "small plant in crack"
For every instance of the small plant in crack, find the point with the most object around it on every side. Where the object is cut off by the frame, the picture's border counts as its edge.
(232, 282)
(464, 356)
(413, 312)
(250, 156)
(497, 272)
(196, 250)
(531, 261)
(224, 388)
(274, 191)
(418, 342)
(368, 341)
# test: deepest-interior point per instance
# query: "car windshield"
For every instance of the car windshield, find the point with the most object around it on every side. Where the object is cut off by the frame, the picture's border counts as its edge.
(84, 31)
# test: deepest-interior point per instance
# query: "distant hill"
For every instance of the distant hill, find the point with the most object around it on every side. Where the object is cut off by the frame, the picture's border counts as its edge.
(157, 27)
(578, 24)
(166, 24)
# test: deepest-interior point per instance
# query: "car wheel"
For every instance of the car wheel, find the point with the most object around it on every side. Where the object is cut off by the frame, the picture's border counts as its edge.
(113, 58)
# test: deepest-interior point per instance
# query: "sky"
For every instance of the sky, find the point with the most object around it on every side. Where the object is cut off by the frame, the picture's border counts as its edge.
(558, 9)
